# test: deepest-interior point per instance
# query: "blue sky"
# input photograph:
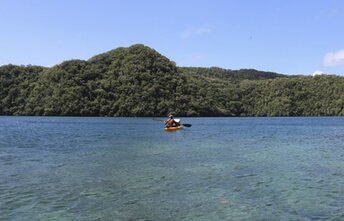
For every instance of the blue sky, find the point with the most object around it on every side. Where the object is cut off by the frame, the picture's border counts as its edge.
(288, 37)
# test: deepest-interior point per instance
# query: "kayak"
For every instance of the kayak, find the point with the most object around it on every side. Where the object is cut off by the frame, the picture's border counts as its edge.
(173, 128)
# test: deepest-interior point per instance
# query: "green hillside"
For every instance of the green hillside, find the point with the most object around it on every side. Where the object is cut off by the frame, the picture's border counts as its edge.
(138, 81)
(235, 75)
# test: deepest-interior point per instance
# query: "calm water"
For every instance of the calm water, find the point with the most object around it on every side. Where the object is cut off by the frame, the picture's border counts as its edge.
(130, 169)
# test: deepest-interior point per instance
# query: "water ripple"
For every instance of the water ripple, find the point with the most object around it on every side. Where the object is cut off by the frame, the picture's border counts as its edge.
(130, 169)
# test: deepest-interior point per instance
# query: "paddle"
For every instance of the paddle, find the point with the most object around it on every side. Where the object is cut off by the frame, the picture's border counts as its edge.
(185, 125)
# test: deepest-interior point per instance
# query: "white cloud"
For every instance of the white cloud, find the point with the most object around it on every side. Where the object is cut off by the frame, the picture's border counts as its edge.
(317, 73)
(188, 33)
(335, 12)
(334, 58)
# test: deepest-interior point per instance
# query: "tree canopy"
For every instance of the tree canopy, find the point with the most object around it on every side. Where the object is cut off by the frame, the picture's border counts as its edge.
(138, 81)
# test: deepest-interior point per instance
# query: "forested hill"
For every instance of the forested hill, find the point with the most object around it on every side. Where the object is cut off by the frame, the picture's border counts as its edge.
(138, 81)
(238, 75)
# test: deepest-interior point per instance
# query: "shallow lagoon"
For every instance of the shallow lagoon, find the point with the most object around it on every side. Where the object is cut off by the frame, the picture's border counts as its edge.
(68, 168)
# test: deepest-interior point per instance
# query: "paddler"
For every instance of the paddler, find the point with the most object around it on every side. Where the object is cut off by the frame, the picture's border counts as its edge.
(170, 122)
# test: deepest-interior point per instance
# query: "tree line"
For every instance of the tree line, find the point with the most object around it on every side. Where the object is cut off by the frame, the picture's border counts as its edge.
(138, 81)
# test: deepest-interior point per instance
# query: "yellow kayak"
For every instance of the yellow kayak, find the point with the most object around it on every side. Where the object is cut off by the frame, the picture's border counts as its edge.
(173, 128)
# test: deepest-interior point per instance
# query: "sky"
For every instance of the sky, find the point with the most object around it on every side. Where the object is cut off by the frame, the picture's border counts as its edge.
(287, 37)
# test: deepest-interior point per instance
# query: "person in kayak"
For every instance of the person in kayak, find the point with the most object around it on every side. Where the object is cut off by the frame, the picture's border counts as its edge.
(170, 122)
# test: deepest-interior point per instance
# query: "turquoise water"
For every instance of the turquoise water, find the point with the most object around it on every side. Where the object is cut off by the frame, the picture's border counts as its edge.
(57, 168)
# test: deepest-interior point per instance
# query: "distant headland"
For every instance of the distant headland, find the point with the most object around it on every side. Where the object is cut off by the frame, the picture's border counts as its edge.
(137, 81)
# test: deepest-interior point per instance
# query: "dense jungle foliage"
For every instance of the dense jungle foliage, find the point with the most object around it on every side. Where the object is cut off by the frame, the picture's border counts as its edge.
(138, 81)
